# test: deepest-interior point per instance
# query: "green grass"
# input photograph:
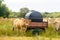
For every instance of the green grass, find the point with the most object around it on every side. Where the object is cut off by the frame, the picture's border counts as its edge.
(6, 30)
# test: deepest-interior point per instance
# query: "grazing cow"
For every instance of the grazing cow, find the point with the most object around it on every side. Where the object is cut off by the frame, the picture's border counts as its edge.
(20, 23)
(57, 24)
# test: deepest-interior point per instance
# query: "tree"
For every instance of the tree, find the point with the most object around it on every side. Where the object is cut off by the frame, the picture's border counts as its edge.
(4, 11)
(23, 11)
(1, 1)
(46, 13)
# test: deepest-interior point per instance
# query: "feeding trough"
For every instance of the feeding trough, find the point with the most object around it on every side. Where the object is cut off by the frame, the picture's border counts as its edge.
(36, 20)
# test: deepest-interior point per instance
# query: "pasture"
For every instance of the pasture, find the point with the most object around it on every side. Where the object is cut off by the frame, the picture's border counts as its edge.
(6, 32)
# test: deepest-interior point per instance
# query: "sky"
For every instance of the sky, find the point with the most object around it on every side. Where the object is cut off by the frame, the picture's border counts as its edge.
(38, 5)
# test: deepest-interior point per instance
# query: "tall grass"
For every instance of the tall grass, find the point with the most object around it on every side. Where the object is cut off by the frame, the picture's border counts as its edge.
(6, 30)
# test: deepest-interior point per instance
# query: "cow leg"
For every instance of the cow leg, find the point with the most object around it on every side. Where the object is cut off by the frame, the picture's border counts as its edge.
(21, 28)
(26, 29)
(13, 28)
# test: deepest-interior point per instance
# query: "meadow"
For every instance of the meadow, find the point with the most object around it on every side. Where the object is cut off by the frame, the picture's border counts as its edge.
(6, 32)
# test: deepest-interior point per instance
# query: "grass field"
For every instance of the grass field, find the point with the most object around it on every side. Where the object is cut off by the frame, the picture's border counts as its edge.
(28, 38)
(7, 33)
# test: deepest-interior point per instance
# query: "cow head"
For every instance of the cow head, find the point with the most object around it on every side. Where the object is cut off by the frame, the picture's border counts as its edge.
(26, 21)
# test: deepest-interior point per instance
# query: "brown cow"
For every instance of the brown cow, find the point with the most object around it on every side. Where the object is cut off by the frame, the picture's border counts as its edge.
(20, 23)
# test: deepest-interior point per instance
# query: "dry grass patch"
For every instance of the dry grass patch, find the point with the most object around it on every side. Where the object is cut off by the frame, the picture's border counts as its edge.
(28, 38)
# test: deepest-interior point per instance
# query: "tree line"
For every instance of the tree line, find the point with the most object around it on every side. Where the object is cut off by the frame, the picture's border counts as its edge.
(51, 15)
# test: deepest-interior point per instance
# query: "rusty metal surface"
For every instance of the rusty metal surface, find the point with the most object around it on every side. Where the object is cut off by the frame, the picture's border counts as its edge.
(38, 24)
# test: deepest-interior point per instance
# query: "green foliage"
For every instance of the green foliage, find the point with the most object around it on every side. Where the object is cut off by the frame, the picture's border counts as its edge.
(4, 12)
(51, 15)
(1, 1)
(23, 11)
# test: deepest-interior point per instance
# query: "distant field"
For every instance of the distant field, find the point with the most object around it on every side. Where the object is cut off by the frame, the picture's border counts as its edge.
(6, 30)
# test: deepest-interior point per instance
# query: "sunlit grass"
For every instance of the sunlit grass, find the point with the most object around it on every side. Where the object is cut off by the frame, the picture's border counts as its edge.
(6, 30)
